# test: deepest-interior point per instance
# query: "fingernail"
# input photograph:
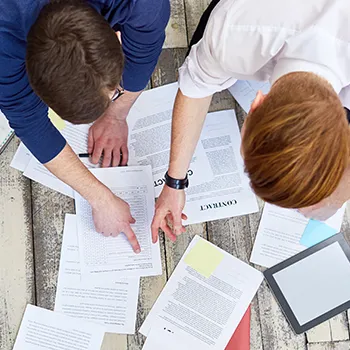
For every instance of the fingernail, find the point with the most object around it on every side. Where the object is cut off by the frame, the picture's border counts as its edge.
(138, 251)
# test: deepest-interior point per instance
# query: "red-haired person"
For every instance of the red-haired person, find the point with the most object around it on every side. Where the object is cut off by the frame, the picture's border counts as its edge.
(295, 140)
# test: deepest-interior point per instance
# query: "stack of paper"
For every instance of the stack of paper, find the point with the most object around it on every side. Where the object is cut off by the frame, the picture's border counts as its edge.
(203, 301)
(114, 255)
(218, 188)
(77, 138)
(110, 301)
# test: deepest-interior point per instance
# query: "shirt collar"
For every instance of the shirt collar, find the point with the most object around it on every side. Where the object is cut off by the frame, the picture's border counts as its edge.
(285, 66)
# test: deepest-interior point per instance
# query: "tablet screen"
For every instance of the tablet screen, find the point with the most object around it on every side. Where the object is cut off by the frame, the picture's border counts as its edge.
(316, 284)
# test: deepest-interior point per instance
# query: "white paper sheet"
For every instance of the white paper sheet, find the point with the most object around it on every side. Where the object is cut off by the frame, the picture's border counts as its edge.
(21, 158)
(229, 193)
(279, 233)
(109, 301)
(150, 135)
(245, 91)
(160, 339)
(77, 137)
(203, 312)
(114, 254)
(6, 132)
(46, 330)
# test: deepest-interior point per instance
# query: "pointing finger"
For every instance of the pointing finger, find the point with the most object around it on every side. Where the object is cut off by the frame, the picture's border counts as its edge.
(130, 235)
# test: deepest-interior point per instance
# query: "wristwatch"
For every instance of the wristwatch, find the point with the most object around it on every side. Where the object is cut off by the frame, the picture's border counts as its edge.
(176, 183)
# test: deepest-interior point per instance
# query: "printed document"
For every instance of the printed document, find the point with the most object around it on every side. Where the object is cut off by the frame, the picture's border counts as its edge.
(150, 136)
(204, 299)
(46, 330)
(279, 234)
(115, 254)
(244, 91)
(229, 193)
(77, 138)
(109, 301)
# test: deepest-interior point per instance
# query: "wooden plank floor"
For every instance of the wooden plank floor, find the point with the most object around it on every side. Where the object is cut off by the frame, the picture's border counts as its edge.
(31, 226)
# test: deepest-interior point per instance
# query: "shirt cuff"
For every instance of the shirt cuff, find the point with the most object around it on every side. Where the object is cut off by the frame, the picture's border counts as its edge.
(45, 146)
(194, 87)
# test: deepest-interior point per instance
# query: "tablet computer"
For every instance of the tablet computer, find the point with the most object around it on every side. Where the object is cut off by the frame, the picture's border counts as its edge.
(314, 285)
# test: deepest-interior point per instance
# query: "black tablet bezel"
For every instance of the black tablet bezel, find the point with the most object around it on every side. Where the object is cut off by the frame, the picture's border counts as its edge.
(300, 256)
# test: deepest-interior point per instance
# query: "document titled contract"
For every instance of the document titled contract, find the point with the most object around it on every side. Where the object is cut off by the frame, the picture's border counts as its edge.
(46, 330)
(244, 91)
(229, 193)
(149, 123)
(203, 301)
(114, 254)
(279, 234)
(77, 138)
(111, 302)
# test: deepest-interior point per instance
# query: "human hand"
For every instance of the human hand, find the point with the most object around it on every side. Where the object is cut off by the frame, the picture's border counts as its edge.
(168, 213)
(109, 136)
(112, 216)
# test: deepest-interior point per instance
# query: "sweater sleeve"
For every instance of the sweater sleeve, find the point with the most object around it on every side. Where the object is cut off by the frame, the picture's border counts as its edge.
(27, 114)
(143, 36)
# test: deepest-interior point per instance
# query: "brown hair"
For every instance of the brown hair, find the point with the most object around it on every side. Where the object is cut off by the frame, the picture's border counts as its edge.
(74, 60)
(296, 143)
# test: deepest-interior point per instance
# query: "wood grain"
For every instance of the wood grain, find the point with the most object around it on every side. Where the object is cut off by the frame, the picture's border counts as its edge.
(16, 248)
(194, 11)
(344, 345)
(176, 32)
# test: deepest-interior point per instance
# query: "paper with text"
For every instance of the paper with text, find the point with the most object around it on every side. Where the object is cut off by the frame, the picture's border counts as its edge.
(199, 312)
(160, 338)
(149, 123)
(134, 184)
(279, 234)
(244, 91)
(46, 330)
(77, 137)
(111, 302)
(229, 193)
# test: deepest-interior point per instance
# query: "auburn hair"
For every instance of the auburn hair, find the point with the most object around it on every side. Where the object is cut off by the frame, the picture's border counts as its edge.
(296, 143)
(74, 60)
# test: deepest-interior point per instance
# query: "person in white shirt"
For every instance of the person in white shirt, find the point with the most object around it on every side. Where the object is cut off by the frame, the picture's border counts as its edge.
(295, 141)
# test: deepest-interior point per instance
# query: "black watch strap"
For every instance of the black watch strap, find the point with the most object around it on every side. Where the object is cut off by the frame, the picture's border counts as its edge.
(176, 183)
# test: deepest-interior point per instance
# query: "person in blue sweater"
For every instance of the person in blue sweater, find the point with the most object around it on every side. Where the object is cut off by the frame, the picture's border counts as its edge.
(88, 61)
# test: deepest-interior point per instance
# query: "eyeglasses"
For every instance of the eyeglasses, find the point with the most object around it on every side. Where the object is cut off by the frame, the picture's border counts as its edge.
(118, 92)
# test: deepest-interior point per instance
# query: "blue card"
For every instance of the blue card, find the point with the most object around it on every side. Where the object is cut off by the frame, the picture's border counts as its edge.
(316, 232)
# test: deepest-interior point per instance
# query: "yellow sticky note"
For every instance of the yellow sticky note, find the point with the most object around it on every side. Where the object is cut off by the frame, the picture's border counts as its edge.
(56, 120)
(204, 258)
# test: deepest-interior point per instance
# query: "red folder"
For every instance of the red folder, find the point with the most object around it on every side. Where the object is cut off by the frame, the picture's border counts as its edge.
(241, 337)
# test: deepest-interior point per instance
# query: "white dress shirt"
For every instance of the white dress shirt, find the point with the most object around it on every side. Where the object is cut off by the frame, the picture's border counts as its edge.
(265, 39)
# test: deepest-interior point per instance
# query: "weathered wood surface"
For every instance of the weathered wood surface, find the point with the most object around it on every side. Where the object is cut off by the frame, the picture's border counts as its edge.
(16, 249)
(194, 11)
(176, 33)
(343, 345)
(31, 213)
